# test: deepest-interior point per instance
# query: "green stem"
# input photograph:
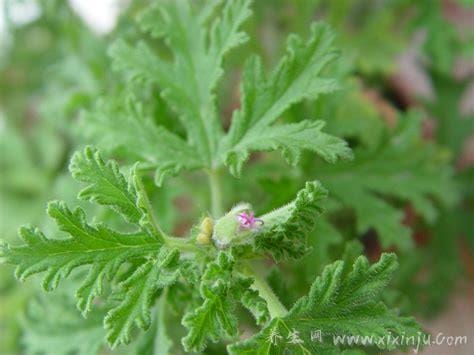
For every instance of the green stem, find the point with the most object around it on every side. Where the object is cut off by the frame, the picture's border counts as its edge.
(275, 307)
(182, 244)
(162, 343)
(146, 204)
(179, 243)
(216, 197)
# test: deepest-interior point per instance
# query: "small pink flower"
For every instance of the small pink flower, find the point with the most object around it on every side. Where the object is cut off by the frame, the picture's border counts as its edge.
(248, 220)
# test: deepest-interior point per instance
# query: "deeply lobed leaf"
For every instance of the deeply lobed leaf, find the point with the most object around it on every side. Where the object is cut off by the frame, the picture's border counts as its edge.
(221, 288)
(342, 301)
(104, 250)
(137, 295)
(403, 168)
(215, 318)
(285, 229)
(116, 126)
(298, 76)
(96, 245)
(198, 42)
(188, 82)
(106, 184)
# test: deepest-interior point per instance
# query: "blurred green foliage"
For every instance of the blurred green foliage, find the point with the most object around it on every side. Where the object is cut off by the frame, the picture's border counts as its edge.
(55, 67)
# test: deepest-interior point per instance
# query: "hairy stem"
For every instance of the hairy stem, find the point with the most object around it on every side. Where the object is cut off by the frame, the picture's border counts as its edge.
(275, 307)
(182, 244)
(216, 197)
(149, 209)
(162, 342)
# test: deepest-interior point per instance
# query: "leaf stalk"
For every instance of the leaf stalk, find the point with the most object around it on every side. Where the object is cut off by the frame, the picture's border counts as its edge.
(275, 307)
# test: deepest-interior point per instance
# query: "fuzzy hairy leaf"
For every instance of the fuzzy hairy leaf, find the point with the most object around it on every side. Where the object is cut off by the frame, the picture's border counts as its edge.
(137, 295)
(198, 41)
(215, 318)
(342, 301)
(106, 184)
(297, 77)
(284, 230)
(156, 340)
(221, 288)
(96, 245)
(256, 305)
(223, 31)
(188, 81)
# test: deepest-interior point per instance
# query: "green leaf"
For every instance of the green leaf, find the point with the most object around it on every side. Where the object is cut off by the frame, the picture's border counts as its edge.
(404, 168)
(137, 295)
(358, 119)
(297, 77)
(225, 35)
(52, 324)
(214, 319)
(109, 187)
(223, 31)
(256, 305)
(106, 184)
(104, 249)
(155, 341)
(285, 229)
(342, 301)
(188, 81)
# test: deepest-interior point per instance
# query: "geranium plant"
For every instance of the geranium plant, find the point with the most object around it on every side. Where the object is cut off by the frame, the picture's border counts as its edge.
(136, 281)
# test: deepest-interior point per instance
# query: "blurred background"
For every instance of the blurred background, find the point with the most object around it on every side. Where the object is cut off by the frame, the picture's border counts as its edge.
(397, 55)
